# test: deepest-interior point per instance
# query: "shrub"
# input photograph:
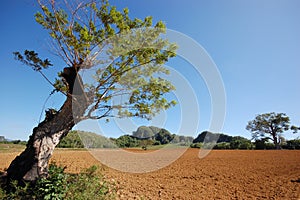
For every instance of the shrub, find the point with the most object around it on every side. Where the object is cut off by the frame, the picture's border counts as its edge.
(269, 145)
(260, 144)
(3, 194)
(246, 145)
(88, 185)
(146, 143)
(184, 144)
(126, 141)
(222, 145)
(16, 192)
(240, 143)
(54, 186)
(196, 145)
(292, 144)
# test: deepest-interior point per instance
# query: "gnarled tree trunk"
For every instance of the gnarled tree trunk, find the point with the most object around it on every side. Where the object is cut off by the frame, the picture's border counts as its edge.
(32, 163)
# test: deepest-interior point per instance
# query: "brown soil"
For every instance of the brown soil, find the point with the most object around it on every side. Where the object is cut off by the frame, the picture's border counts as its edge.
(220, 175)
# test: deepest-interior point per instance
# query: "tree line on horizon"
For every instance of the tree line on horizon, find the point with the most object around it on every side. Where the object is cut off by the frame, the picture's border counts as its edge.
(146, 136)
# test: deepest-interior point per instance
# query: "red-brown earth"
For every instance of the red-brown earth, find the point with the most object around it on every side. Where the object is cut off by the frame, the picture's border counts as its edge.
(223, 174)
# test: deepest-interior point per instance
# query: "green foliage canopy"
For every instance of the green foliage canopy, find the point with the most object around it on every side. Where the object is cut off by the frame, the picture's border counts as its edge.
(238, 142)
(269, 126)
(129, 55)
(126, 141)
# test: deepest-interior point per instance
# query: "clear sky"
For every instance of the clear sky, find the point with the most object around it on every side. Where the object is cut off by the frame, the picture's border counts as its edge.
(255, 45)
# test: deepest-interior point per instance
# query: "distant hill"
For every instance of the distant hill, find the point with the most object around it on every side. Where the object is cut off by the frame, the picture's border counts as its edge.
(2, 139)
(93, 140)
(143, 136)
(207, 137)
(150, 135)
(163, 136)
(81, 139)
(8, 141)
(146, 132)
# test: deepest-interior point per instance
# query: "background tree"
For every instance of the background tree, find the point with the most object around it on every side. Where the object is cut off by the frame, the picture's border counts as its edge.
(126, 141)
(292, 144)
(130, 66)
(239, 142)
(269, 126)
(295, 129)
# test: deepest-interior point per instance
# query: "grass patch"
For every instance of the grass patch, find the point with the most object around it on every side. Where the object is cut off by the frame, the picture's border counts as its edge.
(169, 146)
(70, 149)
(11, 147)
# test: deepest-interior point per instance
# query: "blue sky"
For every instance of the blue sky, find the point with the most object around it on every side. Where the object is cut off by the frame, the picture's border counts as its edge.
(255, 45)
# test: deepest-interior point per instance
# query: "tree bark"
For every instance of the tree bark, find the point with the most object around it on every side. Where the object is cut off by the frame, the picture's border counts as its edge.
(32, 163)
(276, 142)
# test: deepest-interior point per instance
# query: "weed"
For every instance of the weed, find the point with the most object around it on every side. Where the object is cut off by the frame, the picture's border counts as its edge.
(89, 184)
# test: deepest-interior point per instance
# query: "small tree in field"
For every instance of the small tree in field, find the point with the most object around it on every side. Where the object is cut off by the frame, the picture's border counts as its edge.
(269, 126)
(129, 55)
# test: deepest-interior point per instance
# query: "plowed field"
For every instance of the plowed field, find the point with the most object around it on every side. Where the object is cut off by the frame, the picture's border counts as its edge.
(220, 175)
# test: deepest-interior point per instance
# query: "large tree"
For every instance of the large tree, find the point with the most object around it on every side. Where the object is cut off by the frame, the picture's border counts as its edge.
(130, 65)
(269, 126)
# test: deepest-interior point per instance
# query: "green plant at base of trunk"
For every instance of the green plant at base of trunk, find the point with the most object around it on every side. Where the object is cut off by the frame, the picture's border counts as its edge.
(89, 185)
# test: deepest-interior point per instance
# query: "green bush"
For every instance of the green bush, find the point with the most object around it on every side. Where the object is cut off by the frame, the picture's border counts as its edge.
(87, 185)
(16, 192)
(292, 144)
(3, 194)
(183, 144)
(54, 186)
(269, 145)
(240, 143)
(264, 144)
(246, 145)
(196, 145)
(145, 143)
(126, 141)
(222, 145)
